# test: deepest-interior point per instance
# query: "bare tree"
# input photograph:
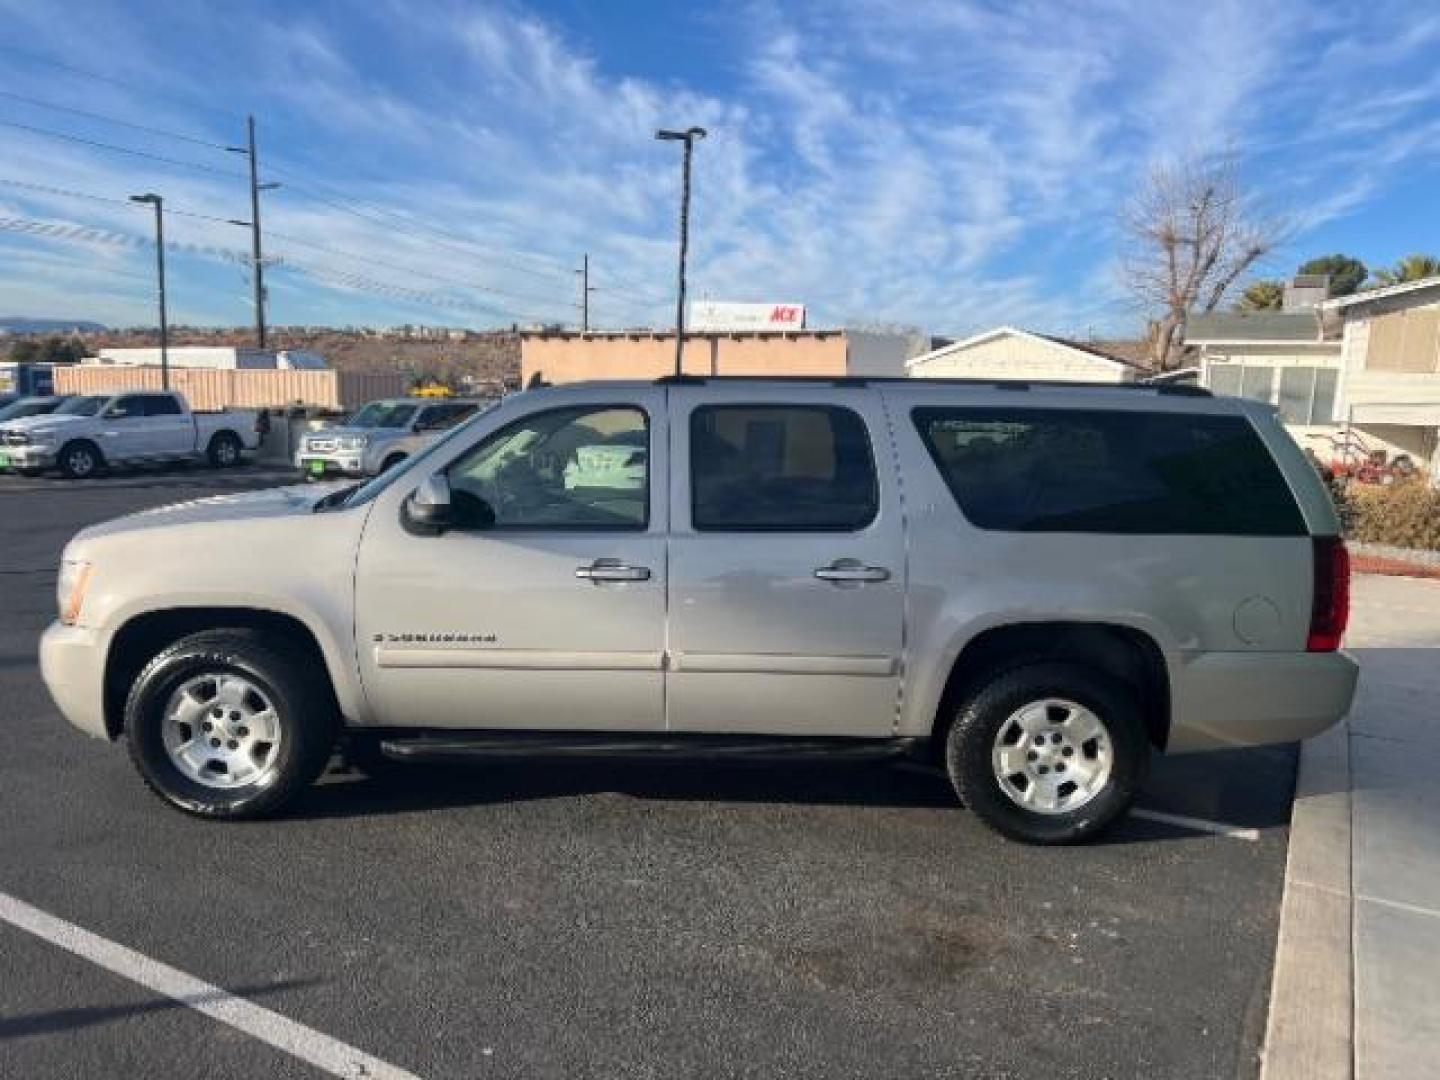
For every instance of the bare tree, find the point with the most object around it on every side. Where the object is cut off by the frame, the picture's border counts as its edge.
(1192, 236)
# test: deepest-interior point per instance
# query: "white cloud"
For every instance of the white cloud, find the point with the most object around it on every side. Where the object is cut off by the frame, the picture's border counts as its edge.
(920, 161)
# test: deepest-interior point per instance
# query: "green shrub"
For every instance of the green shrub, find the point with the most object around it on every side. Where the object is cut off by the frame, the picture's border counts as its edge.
(1403, 514)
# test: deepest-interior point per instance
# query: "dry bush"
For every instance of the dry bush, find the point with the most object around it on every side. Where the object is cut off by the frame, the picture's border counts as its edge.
(1404, 514)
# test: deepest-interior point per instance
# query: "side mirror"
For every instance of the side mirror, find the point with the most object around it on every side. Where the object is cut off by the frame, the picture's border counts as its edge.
(427, 510)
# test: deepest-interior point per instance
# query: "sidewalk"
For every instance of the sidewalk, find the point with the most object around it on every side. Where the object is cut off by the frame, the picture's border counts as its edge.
(1357, 967)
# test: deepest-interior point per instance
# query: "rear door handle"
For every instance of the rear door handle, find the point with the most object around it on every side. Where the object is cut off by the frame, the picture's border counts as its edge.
(612, 570)
(852, 570)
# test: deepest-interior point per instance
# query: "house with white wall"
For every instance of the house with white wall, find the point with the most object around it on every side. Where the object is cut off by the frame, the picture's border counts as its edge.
(1009, 353)
(1367, 363)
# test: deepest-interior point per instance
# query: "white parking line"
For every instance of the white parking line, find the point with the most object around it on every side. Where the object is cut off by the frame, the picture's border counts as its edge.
(299, 1041)
(1219, 828)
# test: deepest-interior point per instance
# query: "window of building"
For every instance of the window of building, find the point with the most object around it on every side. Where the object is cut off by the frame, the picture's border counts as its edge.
(1109, 471)
(1258, 383)
(796, 468)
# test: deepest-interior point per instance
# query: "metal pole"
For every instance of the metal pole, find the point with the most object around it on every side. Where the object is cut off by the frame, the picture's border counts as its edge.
(258, 266)
(160, 272)
(684, 248)
(688, 137)
(585, 293)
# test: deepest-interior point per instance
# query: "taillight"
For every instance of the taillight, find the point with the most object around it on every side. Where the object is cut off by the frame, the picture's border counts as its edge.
(1330, 606)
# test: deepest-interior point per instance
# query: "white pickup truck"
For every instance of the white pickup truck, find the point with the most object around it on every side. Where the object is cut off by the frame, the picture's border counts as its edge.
(88, 433)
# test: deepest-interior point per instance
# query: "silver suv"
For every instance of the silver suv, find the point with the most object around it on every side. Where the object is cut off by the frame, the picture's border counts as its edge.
(1035, 586)
(379, 436)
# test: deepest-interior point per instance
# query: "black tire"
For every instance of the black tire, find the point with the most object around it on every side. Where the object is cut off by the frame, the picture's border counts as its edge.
(304, 711)
(391, 461)
(224, 450)
(987, 711)
(79, 460)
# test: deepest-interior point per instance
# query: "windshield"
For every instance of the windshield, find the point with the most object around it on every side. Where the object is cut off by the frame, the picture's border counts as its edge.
(82, 406)
(31, 406)
(383, 414)
(363, 493)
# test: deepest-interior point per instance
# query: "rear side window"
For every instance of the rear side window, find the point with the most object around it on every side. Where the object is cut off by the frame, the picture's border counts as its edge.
(796, 468)
(1103, 471)
(160, 405)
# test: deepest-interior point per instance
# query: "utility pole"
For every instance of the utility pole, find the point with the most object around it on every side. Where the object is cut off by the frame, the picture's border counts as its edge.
(159, 204)
(256, 258)
(585, 291)
(688, 137)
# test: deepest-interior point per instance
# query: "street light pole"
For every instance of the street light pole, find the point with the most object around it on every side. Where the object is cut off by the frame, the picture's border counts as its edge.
(159, 204)
(688, 137)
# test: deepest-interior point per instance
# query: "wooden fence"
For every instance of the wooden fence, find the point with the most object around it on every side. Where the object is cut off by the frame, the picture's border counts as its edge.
(209, 389)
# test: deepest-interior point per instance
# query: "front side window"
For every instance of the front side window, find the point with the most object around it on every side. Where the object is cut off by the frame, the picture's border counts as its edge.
(126, 408)
(795, 468)
(586, 467)
(1109, 471)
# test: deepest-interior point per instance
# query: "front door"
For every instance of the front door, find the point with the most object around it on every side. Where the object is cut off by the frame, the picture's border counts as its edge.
(551, 615)
(787, 568)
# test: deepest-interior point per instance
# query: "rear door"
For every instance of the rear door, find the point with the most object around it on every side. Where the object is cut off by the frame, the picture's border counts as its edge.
(787, 569)
(169, 431)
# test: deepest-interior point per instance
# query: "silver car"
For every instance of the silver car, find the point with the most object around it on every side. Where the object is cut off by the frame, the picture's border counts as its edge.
(381, 435)
(1035, 587)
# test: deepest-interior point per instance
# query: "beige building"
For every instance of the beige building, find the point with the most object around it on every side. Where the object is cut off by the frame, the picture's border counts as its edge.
(568, 356)
(1008, 353)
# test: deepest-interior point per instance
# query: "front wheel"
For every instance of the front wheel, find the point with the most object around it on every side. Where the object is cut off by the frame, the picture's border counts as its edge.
(222, 726)
(79, 460)
(1048, 753)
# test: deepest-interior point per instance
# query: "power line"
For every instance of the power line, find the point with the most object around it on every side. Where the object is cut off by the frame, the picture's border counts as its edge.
(371, 260)
(444, 239)
(121, 149)
(67, 193)
(87, 234)
(96, 76)
(112, 120)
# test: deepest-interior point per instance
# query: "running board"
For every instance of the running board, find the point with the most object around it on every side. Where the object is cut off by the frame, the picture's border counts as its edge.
(725, 748)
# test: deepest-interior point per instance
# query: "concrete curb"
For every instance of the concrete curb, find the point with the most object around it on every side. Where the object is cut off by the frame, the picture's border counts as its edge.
(1310, 1034)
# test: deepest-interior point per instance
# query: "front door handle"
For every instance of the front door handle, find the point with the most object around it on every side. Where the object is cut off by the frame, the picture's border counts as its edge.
(852, 570)
(612, 570)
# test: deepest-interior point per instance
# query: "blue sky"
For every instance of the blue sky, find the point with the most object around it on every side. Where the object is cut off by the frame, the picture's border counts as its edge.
(943, 164)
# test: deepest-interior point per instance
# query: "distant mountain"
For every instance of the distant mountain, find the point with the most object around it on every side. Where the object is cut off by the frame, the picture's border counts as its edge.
(48, 326)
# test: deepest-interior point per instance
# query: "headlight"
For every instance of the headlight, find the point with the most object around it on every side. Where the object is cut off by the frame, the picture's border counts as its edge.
(70, 589)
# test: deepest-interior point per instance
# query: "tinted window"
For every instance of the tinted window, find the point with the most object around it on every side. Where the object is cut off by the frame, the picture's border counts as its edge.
(1072, 470)
(585, 467)
(126, 407)
(161, 405)
(780, 467)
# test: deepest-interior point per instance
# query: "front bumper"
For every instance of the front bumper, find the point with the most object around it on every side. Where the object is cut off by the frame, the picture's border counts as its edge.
(330, 462)
(27, 456)
(72, 663)
(1224, 700)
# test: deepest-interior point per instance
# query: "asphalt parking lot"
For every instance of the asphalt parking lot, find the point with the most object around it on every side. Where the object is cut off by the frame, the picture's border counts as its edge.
(614, 920)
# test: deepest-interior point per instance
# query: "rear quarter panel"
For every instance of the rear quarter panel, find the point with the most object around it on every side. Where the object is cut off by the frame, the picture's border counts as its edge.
(1190, 594)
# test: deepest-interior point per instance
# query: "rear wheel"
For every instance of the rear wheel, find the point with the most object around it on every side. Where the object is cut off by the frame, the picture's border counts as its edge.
(79, 460)
(223, 726)
(224, 451)
(1048, 753)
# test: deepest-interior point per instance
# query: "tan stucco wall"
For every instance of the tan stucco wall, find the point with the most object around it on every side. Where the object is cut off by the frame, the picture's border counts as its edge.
(573, 358)
(1012, 357)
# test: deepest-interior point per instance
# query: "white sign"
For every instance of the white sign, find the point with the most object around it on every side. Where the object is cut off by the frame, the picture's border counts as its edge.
(723, 315)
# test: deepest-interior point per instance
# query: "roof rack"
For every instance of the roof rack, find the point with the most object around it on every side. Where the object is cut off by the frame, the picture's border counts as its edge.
(1164, 389)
